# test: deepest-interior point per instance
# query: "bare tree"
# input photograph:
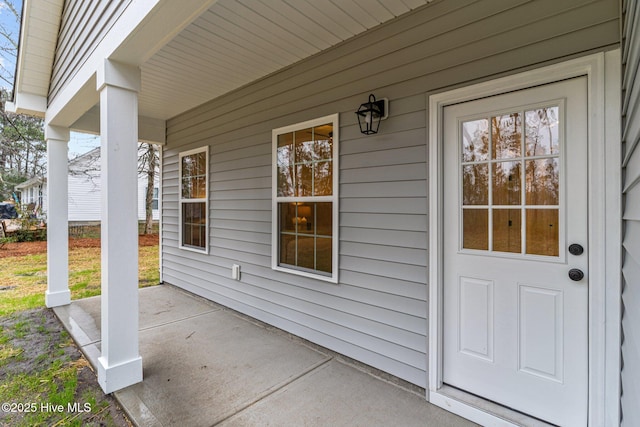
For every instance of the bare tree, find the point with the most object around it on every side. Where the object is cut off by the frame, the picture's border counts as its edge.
(8, 42)
(22, 148)
(148, 161)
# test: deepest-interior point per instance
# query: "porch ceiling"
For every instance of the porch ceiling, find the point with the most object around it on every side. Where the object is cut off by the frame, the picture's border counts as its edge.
(238, 41)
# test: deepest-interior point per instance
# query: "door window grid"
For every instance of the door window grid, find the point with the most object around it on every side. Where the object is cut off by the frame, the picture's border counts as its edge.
(494, 165)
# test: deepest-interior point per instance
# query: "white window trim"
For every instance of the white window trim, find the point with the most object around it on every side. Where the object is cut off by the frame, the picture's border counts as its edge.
(603, 73)
(204, 250)
(275, 241)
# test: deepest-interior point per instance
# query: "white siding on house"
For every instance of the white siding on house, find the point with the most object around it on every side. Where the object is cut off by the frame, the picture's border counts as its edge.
(84, 198)
(377, 313)
(631, 217)
(84, 25)
(142, 191)
(84, 201)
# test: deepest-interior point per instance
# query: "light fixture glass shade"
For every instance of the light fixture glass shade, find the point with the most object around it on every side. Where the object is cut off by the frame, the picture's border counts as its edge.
(369, 115)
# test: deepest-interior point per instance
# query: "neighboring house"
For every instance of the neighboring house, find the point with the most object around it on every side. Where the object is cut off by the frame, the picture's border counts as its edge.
(84, 191)
(482, 245)
(33, 193)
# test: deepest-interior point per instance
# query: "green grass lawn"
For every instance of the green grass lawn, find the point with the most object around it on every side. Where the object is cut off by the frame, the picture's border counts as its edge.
(44, 379)
(23, 280)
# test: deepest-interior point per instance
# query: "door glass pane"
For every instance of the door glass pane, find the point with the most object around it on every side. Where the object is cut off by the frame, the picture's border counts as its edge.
(475, 181)
(475, 140)
(542, 232)
(541, 131)
(506, 183)
(475, 229)
(506, 136)
(496, 156)
(507, 235)
(542, 181)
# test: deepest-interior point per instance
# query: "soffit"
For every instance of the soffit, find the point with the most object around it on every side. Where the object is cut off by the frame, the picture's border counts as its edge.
(236, 42)
(37, 45)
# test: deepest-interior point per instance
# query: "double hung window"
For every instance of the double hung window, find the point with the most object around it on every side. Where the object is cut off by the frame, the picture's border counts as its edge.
(305, 199)
(193, 213)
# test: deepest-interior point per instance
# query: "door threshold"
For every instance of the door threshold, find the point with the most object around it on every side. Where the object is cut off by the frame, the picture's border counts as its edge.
(479, 410)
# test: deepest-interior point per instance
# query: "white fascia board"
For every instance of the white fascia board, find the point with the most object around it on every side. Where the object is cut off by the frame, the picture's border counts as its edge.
(144, 27)
(24, 30)
(27, 103)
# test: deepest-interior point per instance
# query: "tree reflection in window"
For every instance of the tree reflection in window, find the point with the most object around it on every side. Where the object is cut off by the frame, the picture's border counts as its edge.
(509, 167)
(304, 158)
(305, 186)
(193, 199)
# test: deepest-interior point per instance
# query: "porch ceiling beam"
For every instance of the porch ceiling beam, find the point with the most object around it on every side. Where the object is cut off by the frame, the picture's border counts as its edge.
(150, 130)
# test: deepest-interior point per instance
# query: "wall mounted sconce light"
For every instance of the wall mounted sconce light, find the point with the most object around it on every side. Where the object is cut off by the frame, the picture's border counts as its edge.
(371, 113)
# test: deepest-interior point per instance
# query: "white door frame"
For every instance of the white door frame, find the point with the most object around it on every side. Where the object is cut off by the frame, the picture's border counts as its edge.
(604, 212)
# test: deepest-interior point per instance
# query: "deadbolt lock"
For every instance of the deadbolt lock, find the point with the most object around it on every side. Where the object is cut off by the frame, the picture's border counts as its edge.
(576, 274)
(576, 249)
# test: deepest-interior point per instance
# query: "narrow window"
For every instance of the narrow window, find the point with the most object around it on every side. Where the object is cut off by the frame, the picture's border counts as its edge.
(305, 198)
(154, 199)
(194, 196)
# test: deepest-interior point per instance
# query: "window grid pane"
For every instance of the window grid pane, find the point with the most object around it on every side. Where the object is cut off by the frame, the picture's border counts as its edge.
(193, 200)
(194, 176)
(194, 224)
(306, 235)
(304, 168)
(508, 168)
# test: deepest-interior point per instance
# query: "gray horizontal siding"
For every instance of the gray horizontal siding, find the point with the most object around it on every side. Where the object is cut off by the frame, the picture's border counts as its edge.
(377, 313)
(84, 25)
(631, 217)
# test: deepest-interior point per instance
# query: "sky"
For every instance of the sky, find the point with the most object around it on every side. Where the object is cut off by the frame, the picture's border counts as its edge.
(79, 143)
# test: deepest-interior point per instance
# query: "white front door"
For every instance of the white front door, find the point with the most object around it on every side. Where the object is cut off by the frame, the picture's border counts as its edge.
(515, 201)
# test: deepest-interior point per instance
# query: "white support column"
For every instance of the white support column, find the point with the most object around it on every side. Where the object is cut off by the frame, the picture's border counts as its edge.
(120, 364)
(58, 217)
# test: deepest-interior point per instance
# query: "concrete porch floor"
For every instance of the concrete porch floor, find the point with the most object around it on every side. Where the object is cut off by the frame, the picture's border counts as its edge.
(205, 365)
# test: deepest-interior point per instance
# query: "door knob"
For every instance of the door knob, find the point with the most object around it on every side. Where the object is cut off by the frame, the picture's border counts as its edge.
(576, 249)
(576, 275)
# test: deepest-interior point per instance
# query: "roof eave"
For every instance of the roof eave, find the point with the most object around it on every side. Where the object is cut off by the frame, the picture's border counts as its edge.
(32, 101)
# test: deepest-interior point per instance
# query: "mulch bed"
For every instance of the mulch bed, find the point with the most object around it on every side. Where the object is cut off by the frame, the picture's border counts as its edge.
(30, 248)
